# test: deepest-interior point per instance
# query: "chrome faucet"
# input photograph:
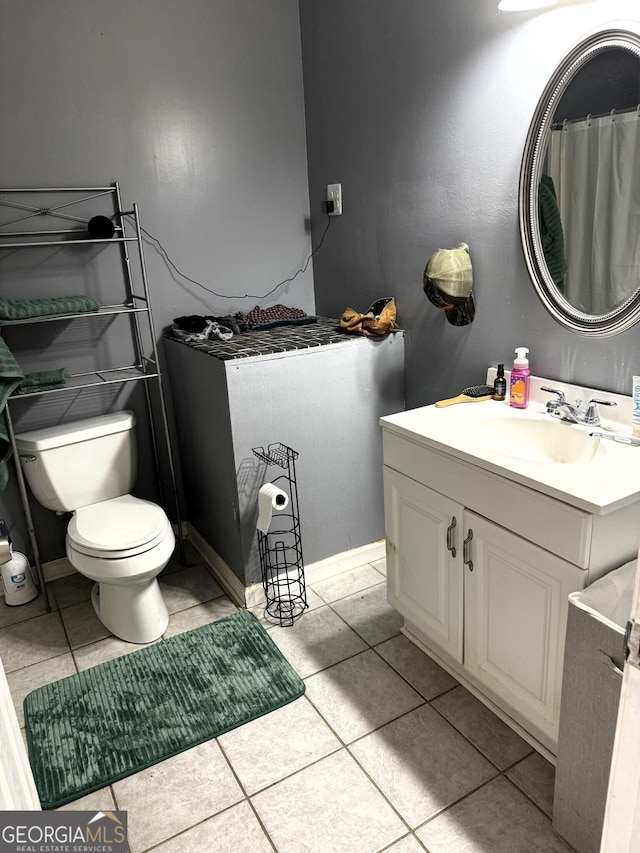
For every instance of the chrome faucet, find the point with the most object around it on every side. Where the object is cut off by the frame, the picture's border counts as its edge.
(574, 414)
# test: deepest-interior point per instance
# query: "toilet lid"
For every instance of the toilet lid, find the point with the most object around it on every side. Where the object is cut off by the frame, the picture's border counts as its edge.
(117, 528)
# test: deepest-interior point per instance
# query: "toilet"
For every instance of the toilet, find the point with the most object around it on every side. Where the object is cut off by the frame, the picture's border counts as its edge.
(121, 542)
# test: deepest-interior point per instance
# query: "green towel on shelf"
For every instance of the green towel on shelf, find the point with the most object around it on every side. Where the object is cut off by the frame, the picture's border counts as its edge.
(10, 377)
(26, 309)
(45, 380)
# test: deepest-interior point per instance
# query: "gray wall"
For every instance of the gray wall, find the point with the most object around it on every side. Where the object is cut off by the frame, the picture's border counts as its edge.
(421, 109)
(196, 108)
(324, 402)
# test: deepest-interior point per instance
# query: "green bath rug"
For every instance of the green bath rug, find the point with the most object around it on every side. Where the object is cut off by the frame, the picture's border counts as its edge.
(115, 719)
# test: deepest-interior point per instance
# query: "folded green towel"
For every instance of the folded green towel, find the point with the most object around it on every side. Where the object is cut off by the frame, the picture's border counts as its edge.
(10, 377)
(25, 309)
(45, 380)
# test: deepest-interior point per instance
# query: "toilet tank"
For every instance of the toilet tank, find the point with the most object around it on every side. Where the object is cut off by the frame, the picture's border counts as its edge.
(80, 463)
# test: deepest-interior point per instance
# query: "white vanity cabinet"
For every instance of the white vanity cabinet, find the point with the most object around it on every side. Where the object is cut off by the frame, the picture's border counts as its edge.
(489, 600)
(424, 568)
(515, 604)
(481, 567)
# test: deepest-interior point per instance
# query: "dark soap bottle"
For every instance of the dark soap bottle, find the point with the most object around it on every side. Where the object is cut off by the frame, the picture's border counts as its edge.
(500, 384)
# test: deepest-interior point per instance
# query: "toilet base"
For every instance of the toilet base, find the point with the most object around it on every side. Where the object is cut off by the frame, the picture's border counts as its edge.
(135, 612)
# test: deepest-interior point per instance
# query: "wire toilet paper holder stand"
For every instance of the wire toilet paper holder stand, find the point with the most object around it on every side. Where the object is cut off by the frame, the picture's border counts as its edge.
(280, 549)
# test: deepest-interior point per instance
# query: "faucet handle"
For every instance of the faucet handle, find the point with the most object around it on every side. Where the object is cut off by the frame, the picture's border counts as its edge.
(592, 417)
(603, 402)
(553, 404)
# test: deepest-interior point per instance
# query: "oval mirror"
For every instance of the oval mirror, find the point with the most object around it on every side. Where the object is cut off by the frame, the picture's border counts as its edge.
(579, 197)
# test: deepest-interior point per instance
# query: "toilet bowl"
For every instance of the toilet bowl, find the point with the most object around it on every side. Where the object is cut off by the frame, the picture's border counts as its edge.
(117, 540)
(123, 544)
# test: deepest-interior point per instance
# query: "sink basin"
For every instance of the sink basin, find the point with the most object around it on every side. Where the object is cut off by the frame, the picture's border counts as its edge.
(536, 440)
(530, 448)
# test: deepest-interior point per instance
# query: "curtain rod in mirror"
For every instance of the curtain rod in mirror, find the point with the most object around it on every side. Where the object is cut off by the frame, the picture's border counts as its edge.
(532, 5)
(524, 5)
(558, 125)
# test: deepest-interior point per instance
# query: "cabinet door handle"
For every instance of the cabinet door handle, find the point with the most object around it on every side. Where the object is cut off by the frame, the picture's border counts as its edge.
(450, 529)
(466, 551)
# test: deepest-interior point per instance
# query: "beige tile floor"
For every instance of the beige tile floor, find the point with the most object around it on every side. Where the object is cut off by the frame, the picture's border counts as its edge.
(385, 751)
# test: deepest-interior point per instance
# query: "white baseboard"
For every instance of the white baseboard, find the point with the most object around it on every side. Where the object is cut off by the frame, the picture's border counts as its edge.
(344, 561)
(231, 584)
(250, 596)
(57, 569)
(253, 596)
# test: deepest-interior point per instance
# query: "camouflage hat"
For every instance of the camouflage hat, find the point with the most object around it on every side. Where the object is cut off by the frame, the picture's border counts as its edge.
(448, 283)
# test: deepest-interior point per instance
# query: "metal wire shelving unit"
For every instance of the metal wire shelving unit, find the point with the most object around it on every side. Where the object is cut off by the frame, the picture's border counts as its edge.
(49, 205)
(280, 548)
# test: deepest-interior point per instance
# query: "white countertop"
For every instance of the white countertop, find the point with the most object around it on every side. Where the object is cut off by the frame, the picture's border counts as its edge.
(608, 482)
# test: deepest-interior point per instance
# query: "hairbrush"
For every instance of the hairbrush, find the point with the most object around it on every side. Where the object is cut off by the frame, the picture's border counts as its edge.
(473, 394)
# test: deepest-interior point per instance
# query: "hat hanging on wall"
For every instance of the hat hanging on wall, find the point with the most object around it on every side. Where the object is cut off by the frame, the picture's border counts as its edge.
(448, 282)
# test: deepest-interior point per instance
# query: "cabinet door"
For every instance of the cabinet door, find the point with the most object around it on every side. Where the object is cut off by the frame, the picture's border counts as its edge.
(515, 620)
(424, 578)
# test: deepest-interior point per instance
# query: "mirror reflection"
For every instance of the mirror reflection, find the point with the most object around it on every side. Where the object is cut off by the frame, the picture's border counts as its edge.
(589, 202)
(579, 201)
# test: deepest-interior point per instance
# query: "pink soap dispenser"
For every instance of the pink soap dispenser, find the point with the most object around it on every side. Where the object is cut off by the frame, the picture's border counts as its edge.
(519, 382)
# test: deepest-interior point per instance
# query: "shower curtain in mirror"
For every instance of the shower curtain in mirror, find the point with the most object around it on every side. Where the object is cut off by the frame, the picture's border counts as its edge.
(595, 167)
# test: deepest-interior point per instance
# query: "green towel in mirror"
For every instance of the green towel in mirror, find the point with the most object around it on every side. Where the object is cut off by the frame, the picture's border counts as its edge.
(551, 232)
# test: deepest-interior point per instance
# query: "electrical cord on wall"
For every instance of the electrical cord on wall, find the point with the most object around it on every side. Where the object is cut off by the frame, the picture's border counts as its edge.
(303, 269)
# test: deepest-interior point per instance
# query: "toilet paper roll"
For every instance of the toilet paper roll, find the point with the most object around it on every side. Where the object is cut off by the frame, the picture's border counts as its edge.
(270, 498)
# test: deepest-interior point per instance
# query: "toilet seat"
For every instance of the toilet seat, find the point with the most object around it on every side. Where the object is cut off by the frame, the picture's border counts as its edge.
(118, 528)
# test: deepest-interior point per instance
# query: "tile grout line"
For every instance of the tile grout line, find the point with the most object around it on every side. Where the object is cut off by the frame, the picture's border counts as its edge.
(247, 797)
(499, 772)
(468, 739)
(347, 746)
(525, 793)
(457, 802)
(343, 745)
